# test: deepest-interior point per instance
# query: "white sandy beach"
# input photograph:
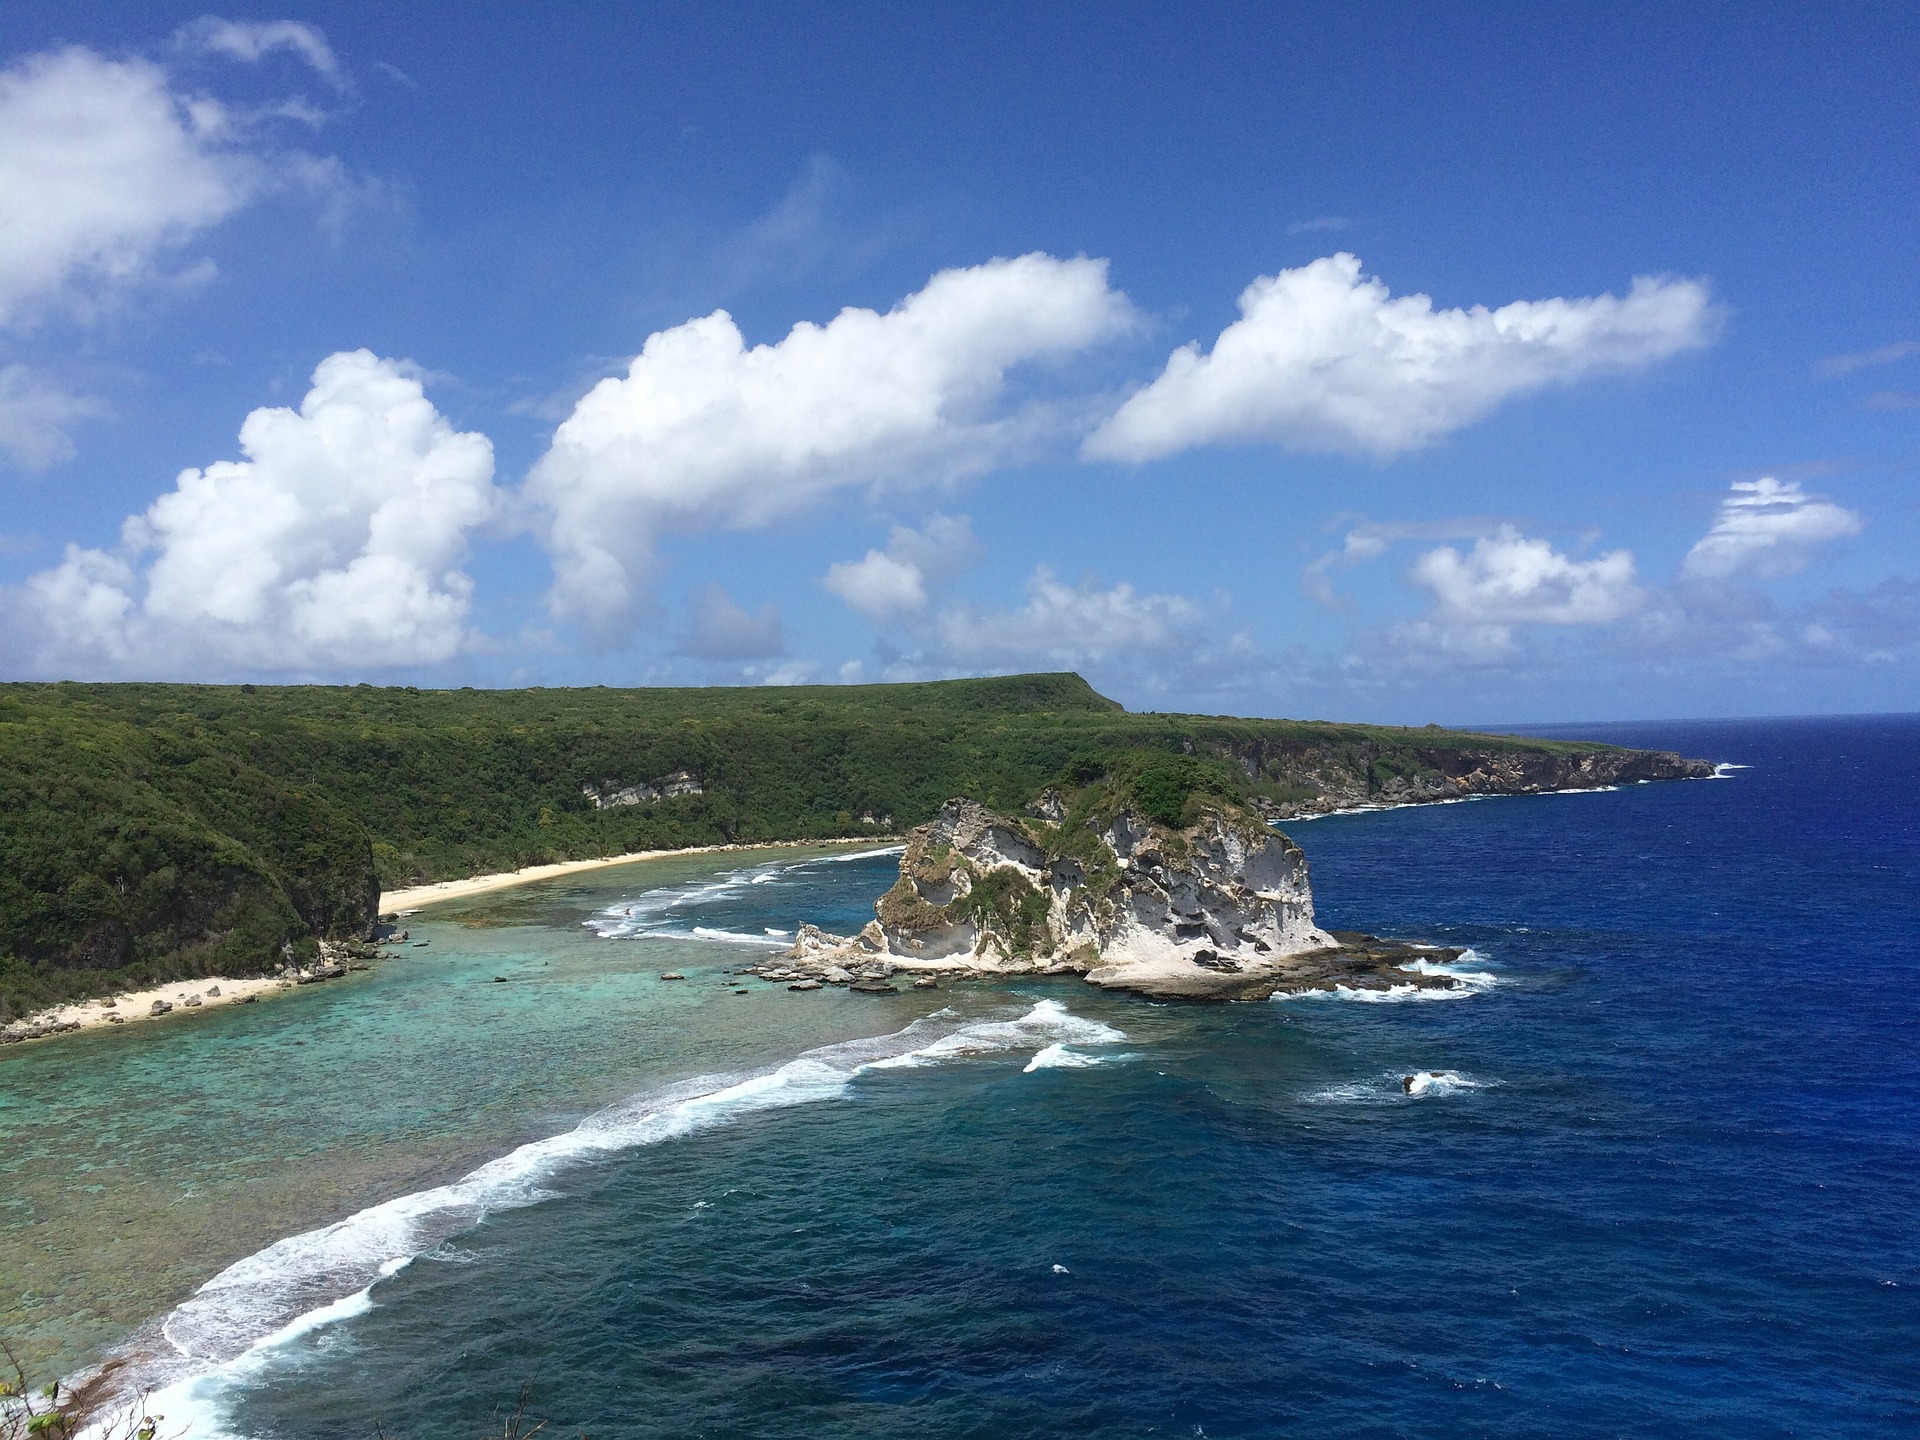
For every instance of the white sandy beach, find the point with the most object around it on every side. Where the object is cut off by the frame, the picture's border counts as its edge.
(137, 1005)
(399, 901)
(133, 1006)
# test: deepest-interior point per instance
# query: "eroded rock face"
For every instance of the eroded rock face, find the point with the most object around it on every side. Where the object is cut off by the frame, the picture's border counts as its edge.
(1221, 909)
(1237, 902)
(1330, 781)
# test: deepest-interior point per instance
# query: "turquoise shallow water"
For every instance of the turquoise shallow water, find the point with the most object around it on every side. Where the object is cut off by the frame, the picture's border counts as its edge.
(1662, 1182)
(135, 1164)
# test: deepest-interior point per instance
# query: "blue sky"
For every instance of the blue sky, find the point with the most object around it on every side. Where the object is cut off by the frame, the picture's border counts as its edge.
(1454, 363)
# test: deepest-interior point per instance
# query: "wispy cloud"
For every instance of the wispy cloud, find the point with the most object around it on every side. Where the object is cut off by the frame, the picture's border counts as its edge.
(108, 168)
(252, 40)
(36, 415)
(721, 629)
(1835, 365)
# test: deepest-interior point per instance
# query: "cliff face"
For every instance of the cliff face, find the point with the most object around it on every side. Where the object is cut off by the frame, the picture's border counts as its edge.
(1220, 908)
(1340, 777)
(1010, 894)
(129, 858)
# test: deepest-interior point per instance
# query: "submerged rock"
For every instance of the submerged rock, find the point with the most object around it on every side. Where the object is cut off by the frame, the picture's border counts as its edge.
(319, 973)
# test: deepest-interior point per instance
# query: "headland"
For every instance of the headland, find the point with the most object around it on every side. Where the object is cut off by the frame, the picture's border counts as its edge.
(154, 834)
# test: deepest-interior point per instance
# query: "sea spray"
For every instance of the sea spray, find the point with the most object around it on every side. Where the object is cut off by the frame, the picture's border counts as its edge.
(1467, 981)
(1397, 1086)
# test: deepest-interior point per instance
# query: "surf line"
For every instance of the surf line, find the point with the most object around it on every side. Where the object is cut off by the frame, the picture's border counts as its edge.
(669, 912)
(224, 1337)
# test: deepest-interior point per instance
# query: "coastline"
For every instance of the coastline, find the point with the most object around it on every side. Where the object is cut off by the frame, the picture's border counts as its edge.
(1720, 769)
(137, 1005)
(133, 1006)
(414, 897)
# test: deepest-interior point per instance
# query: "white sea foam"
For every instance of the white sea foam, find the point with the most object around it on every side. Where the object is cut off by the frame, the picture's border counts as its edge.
(1437, 1082)
(1048, 1023)
(1059, 1056)
(1388, 995)
(1333, 1094)
(733, 937)
(664, 914)
(224, 1335)
(1460, 970)
(1396, 1086)
(1467, 981)
(1448, 800)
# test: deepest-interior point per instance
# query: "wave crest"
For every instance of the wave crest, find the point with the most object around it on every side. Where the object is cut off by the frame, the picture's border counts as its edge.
(223, 1334)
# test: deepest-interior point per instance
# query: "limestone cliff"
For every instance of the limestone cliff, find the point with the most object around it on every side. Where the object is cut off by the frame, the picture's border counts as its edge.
(1220, 907)
(1317, 778)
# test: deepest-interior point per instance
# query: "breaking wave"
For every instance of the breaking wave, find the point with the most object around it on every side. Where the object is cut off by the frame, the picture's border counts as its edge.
(673, 912)
(1397, 1085)
(1437, 1082)
(226, 1333)
(1059, 1056)
(1467, 980)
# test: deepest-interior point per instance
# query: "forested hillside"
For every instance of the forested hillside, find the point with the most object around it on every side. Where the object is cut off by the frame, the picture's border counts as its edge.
(148, 831)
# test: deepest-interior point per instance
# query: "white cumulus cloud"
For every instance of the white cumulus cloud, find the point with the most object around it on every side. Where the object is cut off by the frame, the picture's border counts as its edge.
(107, 167)
(705, 431)
(102, 168)
(1324, 358)
(1766, 528)
(892, 584)
(880, 587)
(1066, 625)
(334, 545)
(1371, 539)
(1508, 578)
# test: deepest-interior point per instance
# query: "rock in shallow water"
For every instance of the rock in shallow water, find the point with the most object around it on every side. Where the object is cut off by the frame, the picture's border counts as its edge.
(1219, 910)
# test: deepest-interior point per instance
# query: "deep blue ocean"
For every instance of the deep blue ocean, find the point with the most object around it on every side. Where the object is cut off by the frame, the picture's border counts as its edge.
(1667, 1181)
